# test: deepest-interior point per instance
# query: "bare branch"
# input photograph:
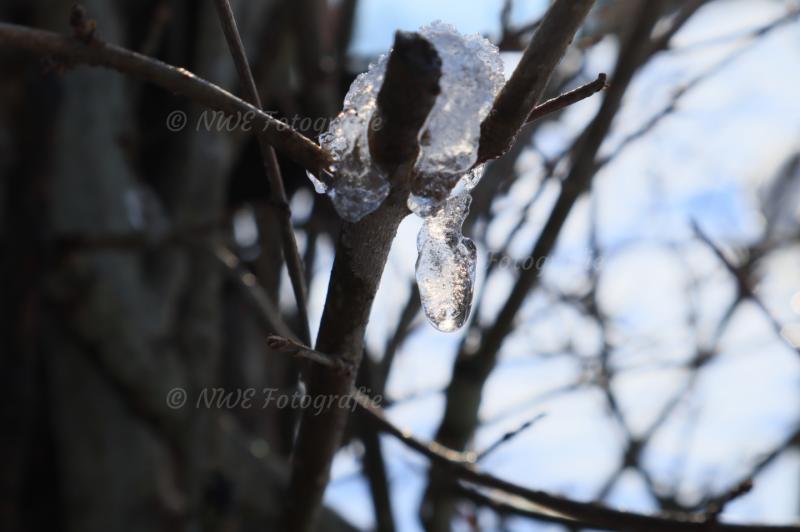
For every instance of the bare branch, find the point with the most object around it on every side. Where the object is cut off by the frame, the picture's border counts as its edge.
(591, 515)
(178, 80)
(525, 87)
(292, 257)
(534, 503)
(361, 254)
(508, 436)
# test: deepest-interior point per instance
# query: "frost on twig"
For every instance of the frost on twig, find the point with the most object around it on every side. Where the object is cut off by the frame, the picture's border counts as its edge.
(444, 172)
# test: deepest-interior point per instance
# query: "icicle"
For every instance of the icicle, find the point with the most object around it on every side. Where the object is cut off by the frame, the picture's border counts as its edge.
(446, 265)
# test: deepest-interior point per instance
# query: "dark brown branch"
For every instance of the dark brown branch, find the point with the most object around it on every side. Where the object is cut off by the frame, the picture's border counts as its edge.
(268, 313)
(178, 80)
(568, 98)
(361, 254)
(523, 90)
(291, 256)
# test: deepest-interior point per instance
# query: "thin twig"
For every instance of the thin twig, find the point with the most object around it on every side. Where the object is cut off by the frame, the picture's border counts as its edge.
(291, 255)
(590, 515)
(568, 98)
(281, 344)
(744, 286)
(508, 436)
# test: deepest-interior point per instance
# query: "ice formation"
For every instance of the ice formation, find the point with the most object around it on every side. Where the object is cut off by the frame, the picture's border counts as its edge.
(360, 188)
(472, 74)
(446, 265)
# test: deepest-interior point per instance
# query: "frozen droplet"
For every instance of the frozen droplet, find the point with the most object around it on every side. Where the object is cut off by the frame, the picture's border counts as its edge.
(319, 186)
(445, 269)
(472, 75)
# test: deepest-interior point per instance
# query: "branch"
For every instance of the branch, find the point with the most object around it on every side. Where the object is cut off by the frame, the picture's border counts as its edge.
(294, 265)
(281, 344)
(361, 254)
(585, 514)
(178, 80)
(508, 436)
(525, 87)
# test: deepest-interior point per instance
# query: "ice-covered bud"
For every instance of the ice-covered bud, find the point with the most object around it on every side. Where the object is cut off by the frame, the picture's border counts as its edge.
(472, 75)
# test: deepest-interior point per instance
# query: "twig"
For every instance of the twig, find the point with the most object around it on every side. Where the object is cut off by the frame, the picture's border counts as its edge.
(717, 506)
(746, 291)
(591, 515)
(281, 344)
(525, 87)
(269, 314)
(294, 265)
(178, 80)
(508, 436)
(412, 75)
(568, 98)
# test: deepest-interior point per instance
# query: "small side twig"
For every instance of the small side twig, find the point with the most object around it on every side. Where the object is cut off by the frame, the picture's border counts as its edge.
(281, 344)
(568, 98)
(717, 506)
(508, 436)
